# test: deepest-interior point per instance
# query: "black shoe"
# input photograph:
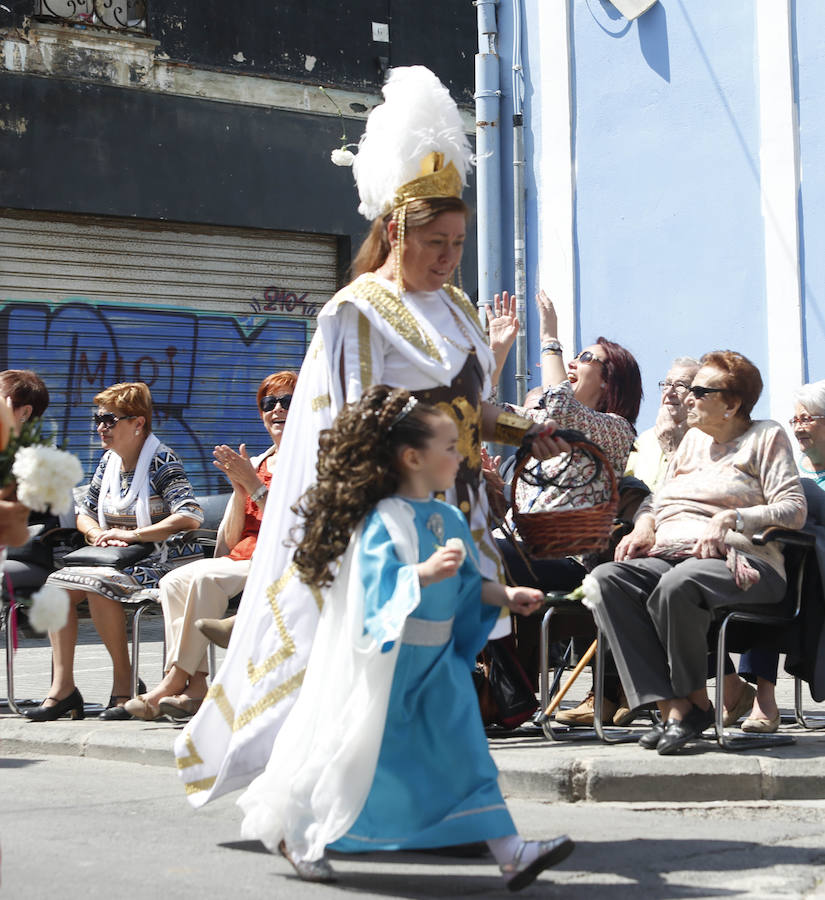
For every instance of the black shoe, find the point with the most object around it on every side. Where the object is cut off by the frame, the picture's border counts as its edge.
(650, 739)
(677, 733)
(115, 713)
(73, 705)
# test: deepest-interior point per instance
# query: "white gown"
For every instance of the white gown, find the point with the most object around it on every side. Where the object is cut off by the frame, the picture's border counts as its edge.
(365, 332)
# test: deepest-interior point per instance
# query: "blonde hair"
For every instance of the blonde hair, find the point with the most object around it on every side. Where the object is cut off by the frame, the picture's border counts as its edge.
(129, 398)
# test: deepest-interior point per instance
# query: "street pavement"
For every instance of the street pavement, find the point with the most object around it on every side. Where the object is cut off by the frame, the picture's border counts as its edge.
(531, 766)
(93, 828)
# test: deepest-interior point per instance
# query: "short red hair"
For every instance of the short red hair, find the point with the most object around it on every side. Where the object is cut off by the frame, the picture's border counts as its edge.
(740, 378)
(277, 383)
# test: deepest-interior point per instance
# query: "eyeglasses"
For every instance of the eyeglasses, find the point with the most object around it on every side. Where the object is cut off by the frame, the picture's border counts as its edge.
(108, 420)
(586, 356)
(804, 421)
(269, 402)
(699, 391)
(678, 387)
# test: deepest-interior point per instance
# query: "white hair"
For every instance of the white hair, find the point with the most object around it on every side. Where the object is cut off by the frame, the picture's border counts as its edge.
(685, 362)
(812, 397)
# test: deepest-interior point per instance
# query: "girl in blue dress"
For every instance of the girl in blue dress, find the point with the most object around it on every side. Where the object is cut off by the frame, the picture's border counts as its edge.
(385, 747)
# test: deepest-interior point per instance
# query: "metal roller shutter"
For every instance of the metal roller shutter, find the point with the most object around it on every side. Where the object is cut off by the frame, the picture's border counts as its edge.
(200, 314)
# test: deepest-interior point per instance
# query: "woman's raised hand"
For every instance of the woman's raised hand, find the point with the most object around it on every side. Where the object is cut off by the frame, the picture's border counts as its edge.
(237, 467)
(503, 322)
(548, 320)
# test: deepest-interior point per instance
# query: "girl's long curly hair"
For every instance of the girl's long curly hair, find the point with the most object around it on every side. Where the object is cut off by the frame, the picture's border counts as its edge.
(357, 467)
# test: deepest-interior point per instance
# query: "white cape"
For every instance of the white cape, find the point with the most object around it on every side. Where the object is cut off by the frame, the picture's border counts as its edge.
(324, 757)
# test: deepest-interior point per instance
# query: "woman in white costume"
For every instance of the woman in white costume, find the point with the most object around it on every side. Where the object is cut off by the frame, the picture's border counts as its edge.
(400, 323)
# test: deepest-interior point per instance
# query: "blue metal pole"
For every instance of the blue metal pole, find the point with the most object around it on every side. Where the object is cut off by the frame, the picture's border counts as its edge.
(488, 145)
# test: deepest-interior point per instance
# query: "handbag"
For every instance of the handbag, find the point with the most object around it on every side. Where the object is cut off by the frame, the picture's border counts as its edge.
(114, 557)
(507, 686)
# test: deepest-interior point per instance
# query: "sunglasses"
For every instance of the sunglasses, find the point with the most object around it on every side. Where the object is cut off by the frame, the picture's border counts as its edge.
(804, 421)
(698, 391)
(585, 356)
(108, 420)
(269, 402)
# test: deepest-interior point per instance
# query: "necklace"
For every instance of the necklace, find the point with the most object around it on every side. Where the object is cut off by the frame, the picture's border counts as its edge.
(465, 334)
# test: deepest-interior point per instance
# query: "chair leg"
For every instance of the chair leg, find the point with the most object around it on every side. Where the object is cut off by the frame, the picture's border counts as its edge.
(725, 739)
(136, 617)
(812, 723)
(10, 662)
(609, 734)
(213, 664)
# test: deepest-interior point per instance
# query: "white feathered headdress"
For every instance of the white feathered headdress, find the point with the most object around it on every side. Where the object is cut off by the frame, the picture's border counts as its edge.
(418, 123)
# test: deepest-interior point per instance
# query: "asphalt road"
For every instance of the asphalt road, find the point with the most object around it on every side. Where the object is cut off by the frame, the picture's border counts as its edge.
(88, 828)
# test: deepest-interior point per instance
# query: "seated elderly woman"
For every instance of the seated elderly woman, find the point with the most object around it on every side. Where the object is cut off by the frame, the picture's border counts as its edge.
(138, 494)
(691, 551)
(204, 588)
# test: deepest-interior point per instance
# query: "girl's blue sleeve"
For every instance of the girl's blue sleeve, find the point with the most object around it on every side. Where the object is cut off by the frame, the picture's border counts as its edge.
(391, 589)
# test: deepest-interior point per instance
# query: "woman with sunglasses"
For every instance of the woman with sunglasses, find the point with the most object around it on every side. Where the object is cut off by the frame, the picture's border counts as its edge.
(139, 494)
(598, 393)
(691, 549)
(194, 596)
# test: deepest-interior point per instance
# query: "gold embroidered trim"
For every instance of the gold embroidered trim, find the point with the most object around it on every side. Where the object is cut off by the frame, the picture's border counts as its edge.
(460, 299)
(270, 699)
(479, 536)
(394, 312)
(256, 673)
(364, 351)
(319, 597)
(194, 787)
(321, 402)
(217, 693)
(316, 345)
(184, 762)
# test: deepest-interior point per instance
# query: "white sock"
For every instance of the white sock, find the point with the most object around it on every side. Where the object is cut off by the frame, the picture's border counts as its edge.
(505, 849)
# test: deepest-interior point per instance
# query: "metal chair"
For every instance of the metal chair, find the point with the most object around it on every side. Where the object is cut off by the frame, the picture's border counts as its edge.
(769, 626)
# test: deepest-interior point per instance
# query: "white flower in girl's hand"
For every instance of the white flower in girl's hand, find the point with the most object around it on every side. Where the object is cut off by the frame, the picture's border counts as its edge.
(49, 609)
(455, 543)
(45, 477)
(342, 157)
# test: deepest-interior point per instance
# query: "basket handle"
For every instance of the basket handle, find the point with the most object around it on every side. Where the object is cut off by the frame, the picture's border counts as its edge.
(575, 439)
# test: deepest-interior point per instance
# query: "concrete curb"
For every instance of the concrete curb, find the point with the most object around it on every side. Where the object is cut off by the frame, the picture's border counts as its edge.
(529, 766)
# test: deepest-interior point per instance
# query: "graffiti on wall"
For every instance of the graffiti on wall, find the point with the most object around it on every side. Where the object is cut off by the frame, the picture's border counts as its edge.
(203, 370)
(279, 301)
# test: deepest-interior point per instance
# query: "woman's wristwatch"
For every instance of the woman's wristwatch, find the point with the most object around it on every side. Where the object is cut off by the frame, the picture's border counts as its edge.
(259, 494)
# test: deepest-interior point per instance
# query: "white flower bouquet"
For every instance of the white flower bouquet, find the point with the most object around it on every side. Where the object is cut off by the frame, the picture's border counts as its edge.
(43, 475)
(48, 608)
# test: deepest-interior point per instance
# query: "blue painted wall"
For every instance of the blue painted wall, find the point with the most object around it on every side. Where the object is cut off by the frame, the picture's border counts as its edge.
(668, 224)
(809, 22)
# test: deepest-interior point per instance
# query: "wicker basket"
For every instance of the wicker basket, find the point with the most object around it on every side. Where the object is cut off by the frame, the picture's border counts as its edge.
(551, 534)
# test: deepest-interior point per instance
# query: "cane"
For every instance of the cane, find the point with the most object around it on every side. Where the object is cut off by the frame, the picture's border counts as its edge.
(573, 676)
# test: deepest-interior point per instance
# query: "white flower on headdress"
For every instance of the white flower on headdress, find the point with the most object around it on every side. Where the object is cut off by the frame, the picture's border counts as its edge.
(49, 609)
(45, 477)
(342, 157)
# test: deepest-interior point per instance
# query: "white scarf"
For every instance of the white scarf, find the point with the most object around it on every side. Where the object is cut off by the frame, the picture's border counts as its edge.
(138, 490)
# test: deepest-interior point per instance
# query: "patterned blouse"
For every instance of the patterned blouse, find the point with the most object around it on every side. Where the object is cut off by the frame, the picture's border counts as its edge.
(613, 434)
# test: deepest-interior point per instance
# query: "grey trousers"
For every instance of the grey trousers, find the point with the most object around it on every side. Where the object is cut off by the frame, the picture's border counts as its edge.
(656, 615)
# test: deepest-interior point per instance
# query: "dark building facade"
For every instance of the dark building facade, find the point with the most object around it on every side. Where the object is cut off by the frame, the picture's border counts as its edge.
(168, 208)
